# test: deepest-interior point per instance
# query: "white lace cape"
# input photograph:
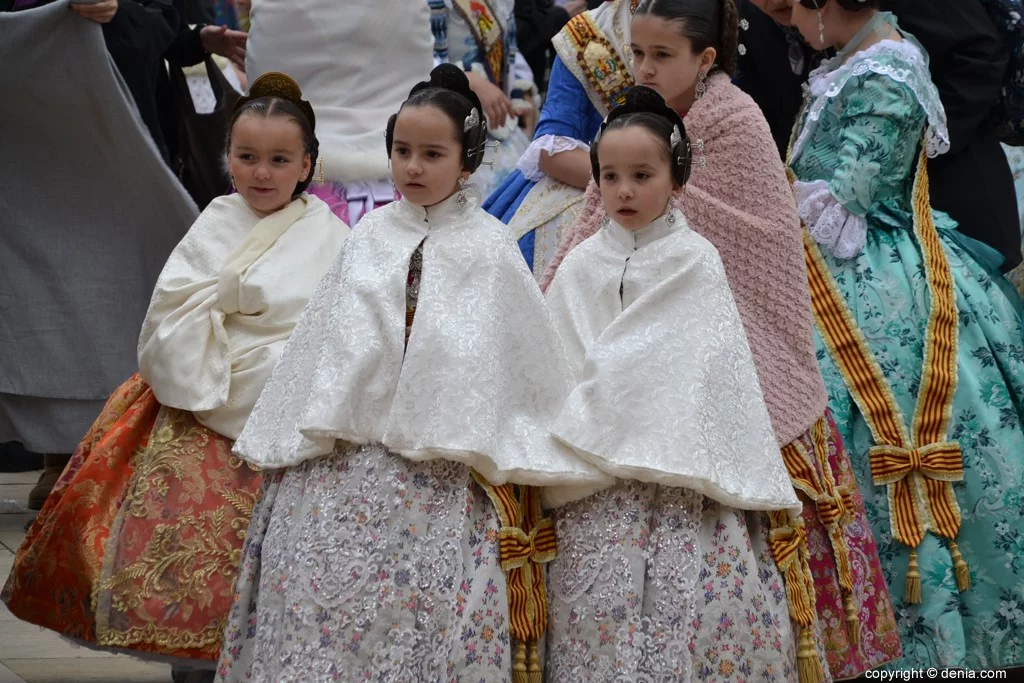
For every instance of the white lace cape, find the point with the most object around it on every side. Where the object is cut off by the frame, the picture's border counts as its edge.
(667, 390)
(479, 382)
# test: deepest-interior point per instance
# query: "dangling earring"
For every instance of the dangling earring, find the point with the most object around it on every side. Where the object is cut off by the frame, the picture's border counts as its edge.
(461, 199)
(320, 176)
(702, 84)
(821, 27)
(232, 180)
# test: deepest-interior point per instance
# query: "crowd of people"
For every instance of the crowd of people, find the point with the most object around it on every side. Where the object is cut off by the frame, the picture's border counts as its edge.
(684, 344)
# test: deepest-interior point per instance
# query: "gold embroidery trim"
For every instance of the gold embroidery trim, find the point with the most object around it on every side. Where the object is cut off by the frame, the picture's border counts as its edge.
(601, 64)
(488, 34)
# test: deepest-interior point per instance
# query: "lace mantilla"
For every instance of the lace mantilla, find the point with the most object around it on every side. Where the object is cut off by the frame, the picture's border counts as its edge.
(903, 62)
(529, 164)
(830, 223)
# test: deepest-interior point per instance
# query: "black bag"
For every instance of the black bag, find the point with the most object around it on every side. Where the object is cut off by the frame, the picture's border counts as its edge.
(201, 137)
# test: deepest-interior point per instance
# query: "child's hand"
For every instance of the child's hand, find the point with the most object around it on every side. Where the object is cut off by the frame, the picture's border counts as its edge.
(100, 11)
(496, 104)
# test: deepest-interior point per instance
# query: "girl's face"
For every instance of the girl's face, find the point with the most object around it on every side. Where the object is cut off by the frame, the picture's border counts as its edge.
(426, 155)
(779, 10)
(635, 178)
(663, 59)
(267, 159)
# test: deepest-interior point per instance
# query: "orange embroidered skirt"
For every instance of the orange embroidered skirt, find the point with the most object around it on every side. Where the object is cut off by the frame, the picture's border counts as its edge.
(138, 545)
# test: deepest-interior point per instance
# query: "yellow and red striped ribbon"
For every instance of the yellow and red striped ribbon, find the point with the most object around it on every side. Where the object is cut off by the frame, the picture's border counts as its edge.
(526, 542)
(834, 504)
(918, 469)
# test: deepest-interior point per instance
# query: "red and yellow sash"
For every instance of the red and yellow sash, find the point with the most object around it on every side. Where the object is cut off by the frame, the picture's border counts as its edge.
(787, 541)
(490, 37)
(526, 542)
(834, 504)
(918, 468)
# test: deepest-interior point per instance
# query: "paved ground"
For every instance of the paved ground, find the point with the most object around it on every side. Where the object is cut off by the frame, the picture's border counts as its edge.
(29, 654)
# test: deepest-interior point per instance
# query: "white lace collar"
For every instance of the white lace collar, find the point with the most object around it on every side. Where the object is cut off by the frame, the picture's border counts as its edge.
(910, 67)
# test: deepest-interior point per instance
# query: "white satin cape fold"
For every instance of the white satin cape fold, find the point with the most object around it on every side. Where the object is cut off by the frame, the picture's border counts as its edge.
(226, 302)
(482, 377)
(667, 391)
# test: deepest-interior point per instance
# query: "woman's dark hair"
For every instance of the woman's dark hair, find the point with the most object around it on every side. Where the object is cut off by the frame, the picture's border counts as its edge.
(707, 23)
(276, 94)
(644, 107)
(448, 90)
(848, 5)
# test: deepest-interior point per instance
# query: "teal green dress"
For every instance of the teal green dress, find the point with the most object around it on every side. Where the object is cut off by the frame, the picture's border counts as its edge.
(860, 138)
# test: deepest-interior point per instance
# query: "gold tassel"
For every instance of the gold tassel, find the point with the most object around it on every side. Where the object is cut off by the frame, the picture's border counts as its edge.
(519, 673)
(852, 620)
(963, 573)
(913, 587)
(807, 662)
(534, 671)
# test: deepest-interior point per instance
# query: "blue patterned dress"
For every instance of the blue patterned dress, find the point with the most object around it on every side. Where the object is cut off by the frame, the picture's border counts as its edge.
(860, 137)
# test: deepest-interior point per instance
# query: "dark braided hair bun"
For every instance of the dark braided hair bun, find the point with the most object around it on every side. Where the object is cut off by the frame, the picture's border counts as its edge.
(448, 90)
(644, 107)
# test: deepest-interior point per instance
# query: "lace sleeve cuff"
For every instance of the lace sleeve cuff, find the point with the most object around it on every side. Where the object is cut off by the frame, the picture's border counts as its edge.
(831, 225)
(529, 163)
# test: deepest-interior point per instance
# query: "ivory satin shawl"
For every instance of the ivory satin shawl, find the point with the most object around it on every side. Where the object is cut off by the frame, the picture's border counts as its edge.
(227, 301)
(480, 381)
(666, 392)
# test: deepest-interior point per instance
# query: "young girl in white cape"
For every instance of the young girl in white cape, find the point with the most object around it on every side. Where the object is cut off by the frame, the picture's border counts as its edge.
(424, 370)
(668, 573)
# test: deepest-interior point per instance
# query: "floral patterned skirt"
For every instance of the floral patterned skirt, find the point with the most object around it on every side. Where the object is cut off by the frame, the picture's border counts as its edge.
(856, 623)
(363, 565)
(662, 584)
(138, 545)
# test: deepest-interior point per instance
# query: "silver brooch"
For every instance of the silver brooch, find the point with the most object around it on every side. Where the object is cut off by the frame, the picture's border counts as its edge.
(745, 25)
(742, 49)
(670, 218)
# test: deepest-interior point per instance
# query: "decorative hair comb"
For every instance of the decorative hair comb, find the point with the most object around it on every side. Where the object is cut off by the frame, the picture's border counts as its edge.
(278, 84)
(472, 121)
(675, 138)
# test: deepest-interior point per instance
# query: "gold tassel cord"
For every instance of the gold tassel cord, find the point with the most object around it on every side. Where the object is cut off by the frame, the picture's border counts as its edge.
(808, 663)
(913, 585)
(852, 620)
(534, 669)
(526, 543)
(788, 542)
(960, 568)
(519, 673)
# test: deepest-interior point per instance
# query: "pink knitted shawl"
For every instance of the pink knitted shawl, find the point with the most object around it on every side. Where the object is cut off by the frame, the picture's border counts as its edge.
(741, 202)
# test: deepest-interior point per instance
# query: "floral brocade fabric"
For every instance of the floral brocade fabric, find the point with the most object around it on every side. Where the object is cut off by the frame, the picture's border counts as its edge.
(364, 566)
(142, 536)
(656, 583)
